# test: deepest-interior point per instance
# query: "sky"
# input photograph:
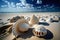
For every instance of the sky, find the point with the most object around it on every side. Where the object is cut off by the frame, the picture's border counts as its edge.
(11, 5)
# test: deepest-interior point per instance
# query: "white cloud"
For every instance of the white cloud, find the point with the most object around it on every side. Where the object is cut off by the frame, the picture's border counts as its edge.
(12, 4)
(18, 5)
(3, 6)
(39, 1)
(6, 1)
(23, 2)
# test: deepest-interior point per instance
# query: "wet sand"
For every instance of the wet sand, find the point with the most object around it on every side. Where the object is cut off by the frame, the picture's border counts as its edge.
(52, 29)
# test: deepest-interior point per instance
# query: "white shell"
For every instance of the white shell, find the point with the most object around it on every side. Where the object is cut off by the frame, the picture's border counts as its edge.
(23, 27)
(40, 28)
(20, 26)
(55, 18)
(42, 20)
(27, 18)
(33, 20)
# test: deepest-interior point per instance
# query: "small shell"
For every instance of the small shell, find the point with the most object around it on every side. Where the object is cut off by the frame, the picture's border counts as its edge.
(14, 19)
(27, 18)
(22, 17)
(42, 20)
(33, 20)
(39, 30)
(55, 18)
(20, 26)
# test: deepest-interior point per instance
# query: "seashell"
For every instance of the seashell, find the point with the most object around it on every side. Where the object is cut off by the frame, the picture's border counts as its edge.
(39, 30)
(53, 19)
(27, 18)
(14, 19)
(20, 26)
(42, 20)
(22, 17)
(33, 20)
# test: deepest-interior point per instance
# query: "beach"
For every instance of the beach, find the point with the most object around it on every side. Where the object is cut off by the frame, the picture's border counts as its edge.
(53, 28)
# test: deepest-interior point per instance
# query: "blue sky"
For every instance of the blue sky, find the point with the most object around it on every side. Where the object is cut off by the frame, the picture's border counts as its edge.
(8, 2)
(12, 5)
(5, 2)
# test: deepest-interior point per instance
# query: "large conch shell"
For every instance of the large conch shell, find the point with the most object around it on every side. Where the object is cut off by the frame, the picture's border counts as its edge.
(33, 20)
(20, 26)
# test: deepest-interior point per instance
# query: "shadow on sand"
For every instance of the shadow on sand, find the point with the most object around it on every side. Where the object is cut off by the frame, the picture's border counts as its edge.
(43, 23)
(3, 29)
(48, 36)
(29, 34)
(55, 21)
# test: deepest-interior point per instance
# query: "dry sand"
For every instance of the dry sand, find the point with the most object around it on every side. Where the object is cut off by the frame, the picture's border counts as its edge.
(53, 29)
(54, 35)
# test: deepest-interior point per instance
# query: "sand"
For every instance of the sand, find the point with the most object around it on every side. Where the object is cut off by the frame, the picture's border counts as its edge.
(53, 28)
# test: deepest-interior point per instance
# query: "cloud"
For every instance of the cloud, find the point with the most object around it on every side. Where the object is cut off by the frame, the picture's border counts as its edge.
(9, 4)
(23, 2)
(39, 1)
(12, 4)
(15, 5)
(3, 6)
(18, 4)
(5, 1)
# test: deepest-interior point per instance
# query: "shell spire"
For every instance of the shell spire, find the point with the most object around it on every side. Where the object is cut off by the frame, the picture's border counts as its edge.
(33, 20)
